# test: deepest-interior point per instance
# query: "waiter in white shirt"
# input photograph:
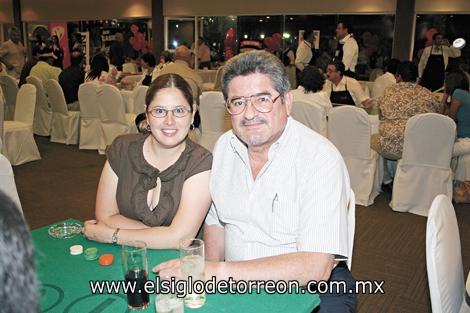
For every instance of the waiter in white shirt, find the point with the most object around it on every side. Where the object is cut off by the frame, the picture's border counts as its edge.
(304, 52)
(347, 51)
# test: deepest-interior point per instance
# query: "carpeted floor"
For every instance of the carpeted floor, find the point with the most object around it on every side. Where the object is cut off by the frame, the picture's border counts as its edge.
(389, 246)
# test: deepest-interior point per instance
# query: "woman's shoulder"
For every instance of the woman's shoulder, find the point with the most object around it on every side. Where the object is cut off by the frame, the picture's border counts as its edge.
(123, 142)
(200, 159)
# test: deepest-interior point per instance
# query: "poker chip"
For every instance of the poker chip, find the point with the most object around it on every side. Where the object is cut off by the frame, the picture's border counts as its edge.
(91, 254)
(76, 250)
(106, 259)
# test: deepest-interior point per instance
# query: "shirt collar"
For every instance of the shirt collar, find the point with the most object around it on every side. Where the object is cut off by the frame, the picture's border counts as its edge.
(345, 38)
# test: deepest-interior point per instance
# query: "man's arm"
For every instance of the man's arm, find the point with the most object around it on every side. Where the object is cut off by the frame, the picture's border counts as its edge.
(300, 266)
(301, 55)
(350, 51)
(214, 239)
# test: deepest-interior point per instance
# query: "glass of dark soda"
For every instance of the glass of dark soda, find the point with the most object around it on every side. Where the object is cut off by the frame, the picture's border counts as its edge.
(135, 265)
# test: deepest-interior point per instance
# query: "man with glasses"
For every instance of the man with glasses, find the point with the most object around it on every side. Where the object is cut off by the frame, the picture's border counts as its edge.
(280, 190)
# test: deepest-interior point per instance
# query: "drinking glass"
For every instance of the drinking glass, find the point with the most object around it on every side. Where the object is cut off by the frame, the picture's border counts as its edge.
(135, 265)
(192, 265)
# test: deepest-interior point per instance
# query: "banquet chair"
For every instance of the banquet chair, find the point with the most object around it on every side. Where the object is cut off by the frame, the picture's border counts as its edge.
(90, 124)
(461, 167)
(43, 112)
(2, 117)
(130, 68)
(114, 121)
(7, 181)
(311, 115)
(351, 227)
(65, 123)
(138, 97)
(19, 146)
(216, 85)
(349, 130)
(10, 90)
(444, 258)
(214, 118)
(424, 171)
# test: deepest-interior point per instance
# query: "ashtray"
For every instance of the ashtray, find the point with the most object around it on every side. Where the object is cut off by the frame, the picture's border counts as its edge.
(65, 230)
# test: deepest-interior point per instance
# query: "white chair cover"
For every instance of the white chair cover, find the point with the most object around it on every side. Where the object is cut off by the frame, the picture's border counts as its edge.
(90, 124)
(114, 121)
(65, 123)
(138, 97)
(424, 170)
(461, 167)
(43, 112)
(129, 68)
(311, 115)
(216, 85)
(19, 145)
(215, 119)
(10, 90)
(444, 259)
(349, 129)
(2, 117)
(351, 227)
(7, 181)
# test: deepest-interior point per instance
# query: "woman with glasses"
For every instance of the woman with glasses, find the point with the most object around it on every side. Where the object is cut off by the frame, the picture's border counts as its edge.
(155, 186)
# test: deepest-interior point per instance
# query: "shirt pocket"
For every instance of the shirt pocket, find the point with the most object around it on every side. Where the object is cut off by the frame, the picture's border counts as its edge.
(284, 222)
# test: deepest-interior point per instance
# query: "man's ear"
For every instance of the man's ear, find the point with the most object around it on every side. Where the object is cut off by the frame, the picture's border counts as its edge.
(288, 98)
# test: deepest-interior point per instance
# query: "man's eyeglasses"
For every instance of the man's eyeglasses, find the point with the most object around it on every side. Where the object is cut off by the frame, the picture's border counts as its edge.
(263, 103)
(162, 112)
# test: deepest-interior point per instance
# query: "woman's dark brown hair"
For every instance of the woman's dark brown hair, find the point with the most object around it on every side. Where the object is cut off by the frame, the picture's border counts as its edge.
(169, 81)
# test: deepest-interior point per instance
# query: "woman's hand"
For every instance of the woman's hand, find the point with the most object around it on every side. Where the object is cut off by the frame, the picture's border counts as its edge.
(97, 231)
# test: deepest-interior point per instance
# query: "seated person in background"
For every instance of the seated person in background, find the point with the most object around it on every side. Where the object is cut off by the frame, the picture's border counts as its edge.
(204, 54)
(148, 65)
(310, 88)
(343, 89)
(166, 57)
(399, 103)
(18, 290)
(386, 80)
(456, 90)
(155, 187)
(280, 190)
(70, 80)
(44, 69)
(99, 70)
(181, 67)
(26, 71)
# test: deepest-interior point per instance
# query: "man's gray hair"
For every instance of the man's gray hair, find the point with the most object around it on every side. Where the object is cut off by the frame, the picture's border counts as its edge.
(256, 62)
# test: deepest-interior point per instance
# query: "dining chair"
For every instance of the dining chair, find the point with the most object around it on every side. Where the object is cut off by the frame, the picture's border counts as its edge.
(114, 121)
(215, 119)
(444, 258)
(7, 181)
(138, 97)
(311, 115)
(349, 130)
(424, 170)
(90, 124)
(19, 146)
(10, 90)
(65, 124)
(43, 112)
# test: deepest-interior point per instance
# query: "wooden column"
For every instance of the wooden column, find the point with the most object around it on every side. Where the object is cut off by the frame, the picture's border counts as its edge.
(404, 30)
(157, 27)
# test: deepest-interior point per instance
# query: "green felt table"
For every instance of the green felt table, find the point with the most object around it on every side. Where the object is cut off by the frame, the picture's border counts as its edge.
(64, 282)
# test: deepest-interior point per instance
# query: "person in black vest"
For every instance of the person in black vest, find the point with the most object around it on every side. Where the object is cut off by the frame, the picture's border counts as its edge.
(343, 89)
(434, 61)
(347, 50)
(70, 80)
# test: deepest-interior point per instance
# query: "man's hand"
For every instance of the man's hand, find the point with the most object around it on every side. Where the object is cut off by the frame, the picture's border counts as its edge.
(172, 268)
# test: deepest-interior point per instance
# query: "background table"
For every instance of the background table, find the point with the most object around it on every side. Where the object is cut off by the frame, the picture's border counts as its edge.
(64, 282)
